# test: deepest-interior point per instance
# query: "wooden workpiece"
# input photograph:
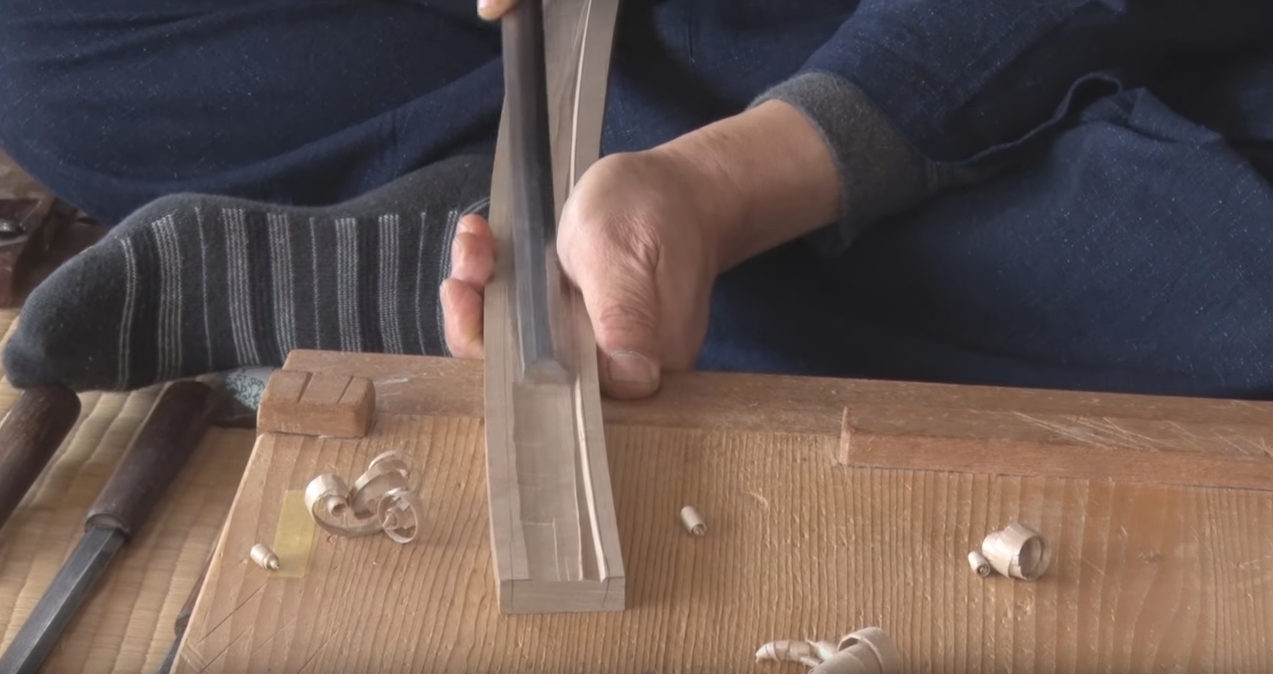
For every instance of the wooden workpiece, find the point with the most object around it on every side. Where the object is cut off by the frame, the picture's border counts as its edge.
(1143, 577)
(317, 403)
(553, 527)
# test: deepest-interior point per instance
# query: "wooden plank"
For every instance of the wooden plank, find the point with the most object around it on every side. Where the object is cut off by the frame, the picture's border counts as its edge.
(1095, 447)
(1144, 578)
(747, 402)
(553, 528)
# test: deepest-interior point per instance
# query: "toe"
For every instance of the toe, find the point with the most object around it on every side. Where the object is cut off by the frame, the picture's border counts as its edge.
(69, 327)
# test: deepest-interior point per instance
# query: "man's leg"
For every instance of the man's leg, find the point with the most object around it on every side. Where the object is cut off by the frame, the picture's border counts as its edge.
(112, 105)
(193, 284)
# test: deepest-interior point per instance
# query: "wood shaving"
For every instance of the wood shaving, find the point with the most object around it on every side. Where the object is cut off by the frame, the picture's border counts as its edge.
(693, 521)
(381, 500)
(865, 651)
(264, 557)
(1017, 552)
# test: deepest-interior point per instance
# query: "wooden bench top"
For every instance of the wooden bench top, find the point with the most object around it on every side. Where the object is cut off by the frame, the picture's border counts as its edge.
(1144, 576)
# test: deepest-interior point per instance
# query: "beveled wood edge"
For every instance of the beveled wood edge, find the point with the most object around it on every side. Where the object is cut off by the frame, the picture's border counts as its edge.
(775, 403)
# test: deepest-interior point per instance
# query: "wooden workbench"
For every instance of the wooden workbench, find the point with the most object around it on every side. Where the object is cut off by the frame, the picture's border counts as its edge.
(1144, 577)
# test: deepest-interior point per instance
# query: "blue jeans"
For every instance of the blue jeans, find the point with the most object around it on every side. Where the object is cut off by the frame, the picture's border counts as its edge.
(1131, 254)
(1122, 246)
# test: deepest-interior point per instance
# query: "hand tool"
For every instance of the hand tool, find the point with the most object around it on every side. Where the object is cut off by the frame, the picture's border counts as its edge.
(28, 228)
(183, 618)
(536, 276)
(163, 444)
(30, 435)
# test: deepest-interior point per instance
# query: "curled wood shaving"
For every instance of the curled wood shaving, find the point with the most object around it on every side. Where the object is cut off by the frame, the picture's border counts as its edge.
(693, 521)
(979, 563)
(1017, 552)
(264, 557)
(381, 500)
(807, 653)
(865, 651)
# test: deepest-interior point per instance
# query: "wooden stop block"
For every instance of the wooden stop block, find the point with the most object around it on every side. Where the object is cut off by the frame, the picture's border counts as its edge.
(307, 403)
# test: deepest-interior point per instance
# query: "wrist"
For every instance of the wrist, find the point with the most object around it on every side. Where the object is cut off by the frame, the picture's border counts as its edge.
(762, 178)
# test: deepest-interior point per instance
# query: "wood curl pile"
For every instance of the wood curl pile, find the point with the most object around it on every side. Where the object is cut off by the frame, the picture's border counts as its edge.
(381, 500)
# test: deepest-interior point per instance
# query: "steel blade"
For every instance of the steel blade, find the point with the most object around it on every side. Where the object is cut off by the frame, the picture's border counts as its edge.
(73, 583)
(171, 658)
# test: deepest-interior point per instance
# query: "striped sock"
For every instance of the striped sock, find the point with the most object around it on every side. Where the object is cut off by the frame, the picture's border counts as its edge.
(193, 284)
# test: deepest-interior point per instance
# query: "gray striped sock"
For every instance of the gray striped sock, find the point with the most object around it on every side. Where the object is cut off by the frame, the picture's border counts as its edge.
(192, 284)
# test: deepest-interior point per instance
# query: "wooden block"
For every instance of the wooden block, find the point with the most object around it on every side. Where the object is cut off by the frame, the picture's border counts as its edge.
(1162, 451)
(554, 534)
(308, 403)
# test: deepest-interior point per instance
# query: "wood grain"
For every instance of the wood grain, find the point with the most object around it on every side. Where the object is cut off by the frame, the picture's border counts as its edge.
(772, 403)
(1097, 447)
(1144, 578)
(317, 403)
(552, 526)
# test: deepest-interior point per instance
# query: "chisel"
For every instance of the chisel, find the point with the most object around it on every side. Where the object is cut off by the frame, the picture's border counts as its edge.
(161, 447)
(183, 619)
(29, 437)
(536, 276)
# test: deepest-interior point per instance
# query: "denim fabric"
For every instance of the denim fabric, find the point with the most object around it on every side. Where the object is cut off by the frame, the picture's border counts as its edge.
(113, 104)
(1131, 254)
(1124, 249)
(966, 80)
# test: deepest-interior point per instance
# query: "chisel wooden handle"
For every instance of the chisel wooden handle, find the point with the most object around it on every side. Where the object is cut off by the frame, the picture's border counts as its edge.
(29, 437)
(168, 436)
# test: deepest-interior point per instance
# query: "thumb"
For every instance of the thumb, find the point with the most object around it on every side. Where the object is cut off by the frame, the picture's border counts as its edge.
(624, 314)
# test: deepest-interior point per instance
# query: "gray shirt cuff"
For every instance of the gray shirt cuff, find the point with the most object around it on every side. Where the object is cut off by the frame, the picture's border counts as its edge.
(880, 173)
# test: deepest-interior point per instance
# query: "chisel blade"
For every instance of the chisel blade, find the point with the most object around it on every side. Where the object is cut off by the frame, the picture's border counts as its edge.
(171, 658)
(537, 282)
(72, 585)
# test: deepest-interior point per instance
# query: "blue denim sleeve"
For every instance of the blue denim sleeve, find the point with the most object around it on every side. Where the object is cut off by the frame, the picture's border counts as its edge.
(964, 80)
(880, 174)
(913, 97)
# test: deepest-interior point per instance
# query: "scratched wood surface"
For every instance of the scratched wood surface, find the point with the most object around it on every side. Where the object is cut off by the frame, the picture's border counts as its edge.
(1144, 577)
(1159, 451)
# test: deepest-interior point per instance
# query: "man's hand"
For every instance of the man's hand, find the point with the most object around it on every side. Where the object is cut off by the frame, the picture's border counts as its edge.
(634, 238)
(644, 235)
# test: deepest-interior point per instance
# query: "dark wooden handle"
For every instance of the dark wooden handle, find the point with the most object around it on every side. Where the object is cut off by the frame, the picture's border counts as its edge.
(167, 438)
(29, 437)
